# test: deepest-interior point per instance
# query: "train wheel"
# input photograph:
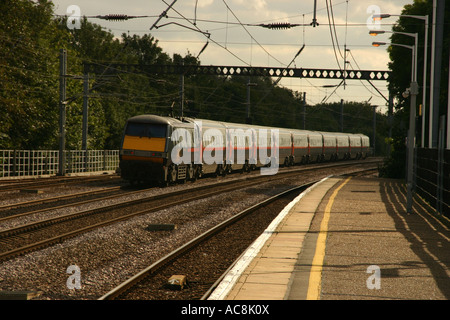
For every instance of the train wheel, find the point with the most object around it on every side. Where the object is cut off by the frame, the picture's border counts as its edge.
(246, 167)
(218, 171)
(221, 170)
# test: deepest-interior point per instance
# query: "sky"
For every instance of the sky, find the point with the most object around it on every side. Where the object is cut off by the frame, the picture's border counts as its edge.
(235, 40)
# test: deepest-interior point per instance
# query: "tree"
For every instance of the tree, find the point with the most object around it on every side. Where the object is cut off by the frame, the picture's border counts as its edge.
(30, 41)
(29, 44)
(401, 76)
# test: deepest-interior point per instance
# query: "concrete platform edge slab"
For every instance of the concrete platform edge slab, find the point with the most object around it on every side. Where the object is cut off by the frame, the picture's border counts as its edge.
(238, 271)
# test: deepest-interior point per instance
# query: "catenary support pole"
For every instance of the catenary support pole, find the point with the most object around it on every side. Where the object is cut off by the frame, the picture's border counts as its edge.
(84, 139)
(436, 60)
(62, 110)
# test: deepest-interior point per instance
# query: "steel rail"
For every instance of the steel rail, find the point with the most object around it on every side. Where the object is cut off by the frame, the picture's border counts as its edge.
(57, 239)
(51, 182)
(65, 236)
(54, 199)
(84, 213)
(125, 286)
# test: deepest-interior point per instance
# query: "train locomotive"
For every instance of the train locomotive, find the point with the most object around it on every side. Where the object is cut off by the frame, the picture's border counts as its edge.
(168, 150)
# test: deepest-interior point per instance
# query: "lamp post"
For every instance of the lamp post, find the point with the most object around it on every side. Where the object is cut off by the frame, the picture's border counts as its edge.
(425, 60)
(412, 91)
(414, 35)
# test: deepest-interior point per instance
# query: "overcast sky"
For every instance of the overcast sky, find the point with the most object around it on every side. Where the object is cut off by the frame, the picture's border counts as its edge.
(231, 43)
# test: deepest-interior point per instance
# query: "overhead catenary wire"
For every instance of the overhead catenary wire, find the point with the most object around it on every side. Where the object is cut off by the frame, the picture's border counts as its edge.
(248, 32)
(334, 28)
(332, 34)
(278, 28)
(381, 94)
(273, 26)
(201, 31)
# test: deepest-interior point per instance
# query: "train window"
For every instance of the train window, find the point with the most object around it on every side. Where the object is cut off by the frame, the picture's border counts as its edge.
(146, 130)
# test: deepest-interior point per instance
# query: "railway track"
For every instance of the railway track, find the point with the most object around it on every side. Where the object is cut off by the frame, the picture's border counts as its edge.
(151, 283)
(110, 255)
(10, 211)
(200, 260)
(6, 209)
(33, 236)
(40, 183)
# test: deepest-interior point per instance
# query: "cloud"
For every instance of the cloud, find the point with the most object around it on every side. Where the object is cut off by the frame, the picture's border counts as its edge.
(203, 3)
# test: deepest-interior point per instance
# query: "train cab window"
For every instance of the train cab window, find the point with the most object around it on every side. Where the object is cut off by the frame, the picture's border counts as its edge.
(146, 130)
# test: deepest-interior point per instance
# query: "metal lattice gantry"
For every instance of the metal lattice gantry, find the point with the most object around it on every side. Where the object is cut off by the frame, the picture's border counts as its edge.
(240, 71)
(183, 70)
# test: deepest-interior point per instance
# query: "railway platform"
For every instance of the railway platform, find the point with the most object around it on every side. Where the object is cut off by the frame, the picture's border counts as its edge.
(346, 238)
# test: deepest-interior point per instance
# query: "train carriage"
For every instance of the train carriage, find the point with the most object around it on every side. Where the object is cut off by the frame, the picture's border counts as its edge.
(343, 146)
(166, 150)
(300, 146)
(329, 146)
(315, 146)
(241, 142)
(144, 150)
(355, 151)
(285, 147)
(365, 146)
(213, 145)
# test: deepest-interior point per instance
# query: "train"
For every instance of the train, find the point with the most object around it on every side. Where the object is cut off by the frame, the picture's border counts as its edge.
(169, 150)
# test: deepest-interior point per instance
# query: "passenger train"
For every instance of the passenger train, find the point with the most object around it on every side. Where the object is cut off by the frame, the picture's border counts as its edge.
(168, 150)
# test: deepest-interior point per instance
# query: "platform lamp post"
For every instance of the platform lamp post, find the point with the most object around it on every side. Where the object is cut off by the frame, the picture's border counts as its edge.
(413, 90)
(413, 35)
(425, 60)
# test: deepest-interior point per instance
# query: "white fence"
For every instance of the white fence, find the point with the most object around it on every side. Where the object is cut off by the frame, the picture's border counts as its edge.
(24, 163)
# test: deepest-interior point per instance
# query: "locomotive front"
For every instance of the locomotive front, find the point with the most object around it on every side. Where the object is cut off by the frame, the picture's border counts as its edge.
(143, 154)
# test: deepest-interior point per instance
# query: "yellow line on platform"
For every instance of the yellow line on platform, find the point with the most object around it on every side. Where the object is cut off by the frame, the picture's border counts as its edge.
(315, 276)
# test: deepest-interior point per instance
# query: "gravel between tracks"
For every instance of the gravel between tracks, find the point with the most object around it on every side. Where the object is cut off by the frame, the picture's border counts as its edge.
(108, 256)
(15, 196)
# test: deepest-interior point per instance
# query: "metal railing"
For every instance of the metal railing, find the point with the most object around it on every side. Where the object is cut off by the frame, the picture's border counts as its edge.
(433, 178)
(32, 163)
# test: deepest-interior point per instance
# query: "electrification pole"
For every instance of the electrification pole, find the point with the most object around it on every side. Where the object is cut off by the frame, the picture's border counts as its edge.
(435, 80)
(84, 138)
(248, 119)
(62, 110)
(182, 94)
(304, 110)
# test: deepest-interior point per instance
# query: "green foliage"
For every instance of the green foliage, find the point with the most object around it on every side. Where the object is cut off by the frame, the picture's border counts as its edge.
(28, 73)
(30, 41)
(401, 77)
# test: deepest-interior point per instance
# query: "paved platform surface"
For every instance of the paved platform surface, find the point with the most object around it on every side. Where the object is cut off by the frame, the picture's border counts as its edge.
(347, 238)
